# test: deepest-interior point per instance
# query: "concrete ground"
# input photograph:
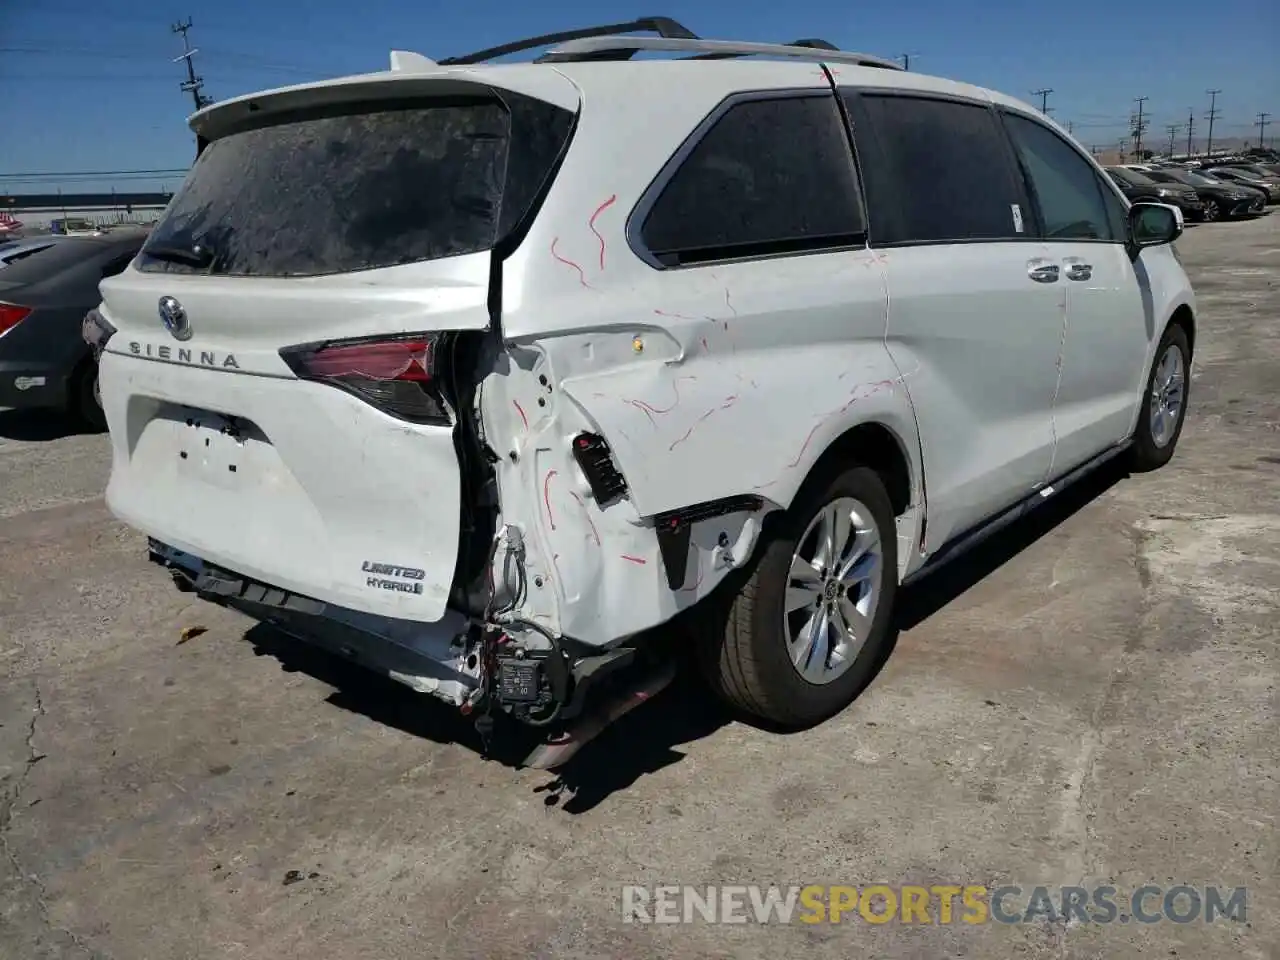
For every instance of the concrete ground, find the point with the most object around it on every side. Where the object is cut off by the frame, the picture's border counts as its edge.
(1091, 699)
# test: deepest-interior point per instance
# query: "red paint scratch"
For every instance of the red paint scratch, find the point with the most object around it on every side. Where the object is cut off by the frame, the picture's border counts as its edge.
(546, 496)
(729, 303)
(704, 345)
(641, 407)
(582, 277)
(591, 224)
(728, 402)
(676, 316)
(520, 410)
(649, 408)
(587, 513)
(640, 560)
(696, 584)
(807, 441)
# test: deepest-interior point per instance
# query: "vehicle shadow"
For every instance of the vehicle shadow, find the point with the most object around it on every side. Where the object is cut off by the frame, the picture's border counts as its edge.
(38, 425)
(647, 739)
(640, 742)
(922, 599)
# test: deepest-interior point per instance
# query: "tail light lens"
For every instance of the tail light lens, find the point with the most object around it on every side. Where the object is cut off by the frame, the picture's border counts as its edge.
(11, 315)
(397, 375)
(96, 331)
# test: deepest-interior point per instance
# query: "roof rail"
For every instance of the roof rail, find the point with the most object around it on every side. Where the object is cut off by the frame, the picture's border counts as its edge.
(662, 26)
(813, 43)
(622, 48)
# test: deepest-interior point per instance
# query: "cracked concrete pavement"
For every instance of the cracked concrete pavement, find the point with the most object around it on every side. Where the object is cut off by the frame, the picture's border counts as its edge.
(1091, 699)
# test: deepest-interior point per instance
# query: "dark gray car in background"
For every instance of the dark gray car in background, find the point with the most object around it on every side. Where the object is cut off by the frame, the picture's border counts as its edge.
(1219, 199)
(44, 361)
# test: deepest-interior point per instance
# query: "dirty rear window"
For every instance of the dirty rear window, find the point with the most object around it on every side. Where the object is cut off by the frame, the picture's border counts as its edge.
(328, 193)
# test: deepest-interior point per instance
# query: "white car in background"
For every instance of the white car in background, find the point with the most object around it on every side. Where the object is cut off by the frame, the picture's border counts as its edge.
(495, 369)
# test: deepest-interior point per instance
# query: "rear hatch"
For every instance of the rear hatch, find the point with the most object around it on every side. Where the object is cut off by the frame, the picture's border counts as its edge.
(278, 387)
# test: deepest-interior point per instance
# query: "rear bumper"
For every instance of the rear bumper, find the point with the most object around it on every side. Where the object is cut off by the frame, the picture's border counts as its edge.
(429, 658)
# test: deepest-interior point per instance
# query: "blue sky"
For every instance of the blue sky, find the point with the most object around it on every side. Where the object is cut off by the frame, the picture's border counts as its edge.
(90, 85)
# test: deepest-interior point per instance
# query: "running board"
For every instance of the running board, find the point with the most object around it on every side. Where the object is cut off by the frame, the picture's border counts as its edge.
(557, 750)
(967, 541)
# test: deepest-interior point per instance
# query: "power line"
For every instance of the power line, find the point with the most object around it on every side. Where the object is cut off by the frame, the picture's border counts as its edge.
(1264, 120)
(1044, 99)
(1211, 116)
(192, 84)
(1139, 126)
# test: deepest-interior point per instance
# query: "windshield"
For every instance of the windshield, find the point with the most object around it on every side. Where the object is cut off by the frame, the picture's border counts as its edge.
(1201, 179)
(326, 193)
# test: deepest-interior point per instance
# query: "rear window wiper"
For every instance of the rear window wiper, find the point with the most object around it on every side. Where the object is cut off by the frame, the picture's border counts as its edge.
(197, 255)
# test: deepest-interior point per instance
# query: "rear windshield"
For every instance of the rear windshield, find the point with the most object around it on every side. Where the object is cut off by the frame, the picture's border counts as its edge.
(329, 193)
(1133, 177)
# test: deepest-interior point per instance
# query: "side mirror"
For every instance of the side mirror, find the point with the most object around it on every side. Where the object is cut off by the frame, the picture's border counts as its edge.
(1152, 224)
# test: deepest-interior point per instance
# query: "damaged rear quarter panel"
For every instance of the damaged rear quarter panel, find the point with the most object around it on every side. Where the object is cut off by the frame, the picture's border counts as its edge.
(707, 382)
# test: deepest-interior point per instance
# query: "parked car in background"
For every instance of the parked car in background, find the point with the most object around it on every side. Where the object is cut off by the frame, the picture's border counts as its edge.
(44, 361)
(12, 251)
(1269, 185)
(1219, 199)
(1137, 186)
(74, 227)
(543, 395)
(9, 224)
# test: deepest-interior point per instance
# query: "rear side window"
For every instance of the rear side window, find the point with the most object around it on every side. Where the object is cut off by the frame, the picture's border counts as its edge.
(771, 176)
(936, 171)
(335, 192)
(1066, 189)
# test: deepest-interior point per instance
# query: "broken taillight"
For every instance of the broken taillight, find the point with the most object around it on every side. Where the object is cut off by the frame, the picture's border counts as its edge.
(397, 375)
(11, 315)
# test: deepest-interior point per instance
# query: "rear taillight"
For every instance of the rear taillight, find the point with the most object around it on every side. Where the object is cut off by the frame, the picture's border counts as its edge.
(96, 331)
(396, 375)
(11, 315)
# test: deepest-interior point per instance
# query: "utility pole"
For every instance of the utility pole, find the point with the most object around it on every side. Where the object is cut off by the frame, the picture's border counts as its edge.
(1070, 127)
(1264, 119)
(1139, 126)
(1173, 132)
(1044, 99)
(906, 60)
(193, 84)
(1191, 126)
(1211, 116)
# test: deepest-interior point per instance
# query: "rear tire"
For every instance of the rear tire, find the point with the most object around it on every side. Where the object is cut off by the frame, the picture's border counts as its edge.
(749, 651)
(1168, 383)
(86, 399)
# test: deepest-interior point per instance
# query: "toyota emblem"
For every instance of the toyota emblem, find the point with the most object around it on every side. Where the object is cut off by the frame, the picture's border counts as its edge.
(174, 318)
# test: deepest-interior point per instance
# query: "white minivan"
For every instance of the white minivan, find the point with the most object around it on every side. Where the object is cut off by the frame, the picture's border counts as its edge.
(489, 370)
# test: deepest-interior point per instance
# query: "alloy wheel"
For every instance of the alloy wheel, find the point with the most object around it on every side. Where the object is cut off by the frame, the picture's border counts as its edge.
(833, 590)
(1167, 392)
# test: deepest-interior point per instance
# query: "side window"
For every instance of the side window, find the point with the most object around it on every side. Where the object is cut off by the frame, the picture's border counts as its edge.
(1072, 206)
(771, 176)
(937, 170)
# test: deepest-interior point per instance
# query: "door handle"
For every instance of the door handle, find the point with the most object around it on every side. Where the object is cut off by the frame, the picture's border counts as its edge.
(1077, 269)
(1042, 271)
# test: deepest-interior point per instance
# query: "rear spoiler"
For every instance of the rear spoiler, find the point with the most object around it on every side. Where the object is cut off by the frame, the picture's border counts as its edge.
(413, 79)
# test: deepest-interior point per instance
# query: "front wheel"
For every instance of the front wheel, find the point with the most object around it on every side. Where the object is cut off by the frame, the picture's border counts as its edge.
(809, 626)
(1164, 403)
(1211, 211)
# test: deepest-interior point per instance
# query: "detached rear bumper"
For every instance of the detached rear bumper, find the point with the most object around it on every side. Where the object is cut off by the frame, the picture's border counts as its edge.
(429, 658)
